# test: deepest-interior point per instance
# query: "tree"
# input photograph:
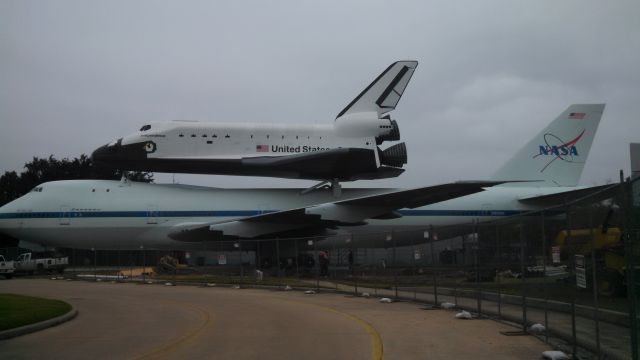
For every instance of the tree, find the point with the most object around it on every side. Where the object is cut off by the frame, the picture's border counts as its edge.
(38, 171)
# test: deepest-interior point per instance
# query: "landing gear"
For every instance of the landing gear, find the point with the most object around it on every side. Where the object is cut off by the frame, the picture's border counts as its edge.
(335, 186)
(124, 180)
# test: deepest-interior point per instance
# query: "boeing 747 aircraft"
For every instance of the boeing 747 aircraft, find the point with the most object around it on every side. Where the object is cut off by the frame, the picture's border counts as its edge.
(125, 215)
(346, 150)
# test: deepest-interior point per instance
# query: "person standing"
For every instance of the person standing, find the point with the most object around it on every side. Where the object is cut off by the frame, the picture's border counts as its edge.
(323, 258)
(350, 259)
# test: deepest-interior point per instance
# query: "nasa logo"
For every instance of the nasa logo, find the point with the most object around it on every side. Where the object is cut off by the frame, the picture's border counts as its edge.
(559, 149)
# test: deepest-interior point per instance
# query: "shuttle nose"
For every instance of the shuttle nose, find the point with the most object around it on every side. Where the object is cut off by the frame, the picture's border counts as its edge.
(106, 154)
(121, 156)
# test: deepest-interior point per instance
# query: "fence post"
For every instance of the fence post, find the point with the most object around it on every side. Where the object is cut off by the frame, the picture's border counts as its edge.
(335, 269)
(395, 269)
(297, 258)
(476, 234)
(119, 270)
(278, 258)
(498, 258)
(594, 283)
(522, 275)
(258, 258)
(544, 277)
(413, 270)
(144, 264)
(629, 221)
(95, 275)
(433, 266)
(352, 265)
(574, 337)
(315, 252)
(241, 262)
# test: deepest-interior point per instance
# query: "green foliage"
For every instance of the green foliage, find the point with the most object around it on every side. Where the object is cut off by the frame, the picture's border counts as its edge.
(38, 171)
(20, 310)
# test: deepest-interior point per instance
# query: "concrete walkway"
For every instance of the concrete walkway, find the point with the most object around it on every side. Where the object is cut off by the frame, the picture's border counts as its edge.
(176, 322)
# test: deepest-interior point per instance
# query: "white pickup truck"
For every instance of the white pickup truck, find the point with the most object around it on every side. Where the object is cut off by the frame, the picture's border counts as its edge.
(7, 268)
(28, 263)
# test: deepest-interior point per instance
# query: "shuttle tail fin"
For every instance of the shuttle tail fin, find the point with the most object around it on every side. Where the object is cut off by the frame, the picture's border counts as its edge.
(383, 94)
(556, 156)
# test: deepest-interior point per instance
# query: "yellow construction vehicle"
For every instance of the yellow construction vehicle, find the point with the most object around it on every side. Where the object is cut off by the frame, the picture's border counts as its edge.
(609, 255)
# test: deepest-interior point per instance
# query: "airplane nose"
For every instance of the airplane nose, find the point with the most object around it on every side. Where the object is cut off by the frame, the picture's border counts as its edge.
(4, 219)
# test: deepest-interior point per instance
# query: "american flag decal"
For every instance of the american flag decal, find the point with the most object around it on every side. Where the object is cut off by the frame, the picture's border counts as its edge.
(577, 116)
(262, 148)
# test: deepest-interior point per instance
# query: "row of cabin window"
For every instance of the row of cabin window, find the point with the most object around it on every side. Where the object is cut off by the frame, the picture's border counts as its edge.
(228, 136)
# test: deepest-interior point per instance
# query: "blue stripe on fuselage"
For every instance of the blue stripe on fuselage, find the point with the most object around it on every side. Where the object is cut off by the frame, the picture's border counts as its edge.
(235, 213)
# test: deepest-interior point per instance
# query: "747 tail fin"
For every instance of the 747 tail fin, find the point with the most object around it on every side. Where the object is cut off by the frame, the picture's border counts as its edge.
(556, 156)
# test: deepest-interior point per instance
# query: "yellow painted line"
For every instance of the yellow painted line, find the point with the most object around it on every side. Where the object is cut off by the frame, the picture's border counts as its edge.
(163, 351)
(377, 350)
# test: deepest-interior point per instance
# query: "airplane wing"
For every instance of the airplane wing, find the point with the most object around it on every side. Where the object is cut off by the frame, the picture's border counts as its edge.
(326, 215)
(384, 93)
(601, 192)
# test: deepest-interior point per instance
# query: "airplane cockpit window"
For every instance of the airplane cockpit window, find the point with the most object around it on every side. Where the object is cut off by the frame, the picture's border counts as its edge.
(37, 189)
(145, 128)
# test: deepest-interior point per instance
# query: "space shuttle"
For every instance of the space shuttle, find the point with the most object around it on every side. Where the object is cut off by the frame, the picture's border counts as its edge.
(349, 149)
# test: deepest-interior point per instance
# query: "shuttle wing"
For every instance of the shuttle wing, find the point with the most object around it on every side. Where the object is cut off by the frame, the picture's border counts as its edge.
(345, 164)
(327, 215)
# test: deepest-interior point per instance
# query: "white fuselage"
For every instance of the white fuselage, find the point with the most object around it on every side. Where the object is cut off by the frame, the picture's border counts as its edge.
(190, 139)
(105, 214)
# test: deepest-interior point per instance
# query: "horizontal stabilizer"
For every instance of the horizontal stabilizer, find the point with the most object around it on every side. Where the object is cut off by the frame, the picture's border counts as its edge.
(601, 192)
(384, 93)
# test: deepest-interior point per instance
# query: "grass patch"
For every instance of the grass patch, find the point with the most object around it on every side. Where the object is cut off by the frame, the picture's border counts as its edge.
(20, 310)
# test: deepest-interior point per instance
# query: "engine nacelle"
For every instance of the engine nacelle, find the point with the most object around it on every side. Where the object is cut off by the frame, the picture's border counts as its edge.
(364, 124)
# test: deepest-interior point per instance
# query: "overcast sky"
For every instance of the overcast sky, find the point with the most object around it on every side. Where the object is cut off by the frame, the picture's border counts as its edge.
(75, 75)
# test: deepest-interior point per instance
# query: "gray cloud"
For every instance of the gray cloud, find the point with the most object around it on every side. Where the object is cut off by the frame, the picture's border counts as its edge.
(77, 74)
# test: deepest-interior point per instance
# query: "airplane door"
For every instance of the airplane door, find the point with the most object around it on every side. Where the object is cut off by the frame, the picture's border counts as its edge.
(65, 215)
(263, 208)
(486, 210)
(152, 214)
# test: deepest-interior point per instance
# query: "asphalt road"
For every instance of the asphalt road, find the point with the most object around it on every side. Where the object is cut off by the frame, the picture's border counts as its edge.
(131, 321)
